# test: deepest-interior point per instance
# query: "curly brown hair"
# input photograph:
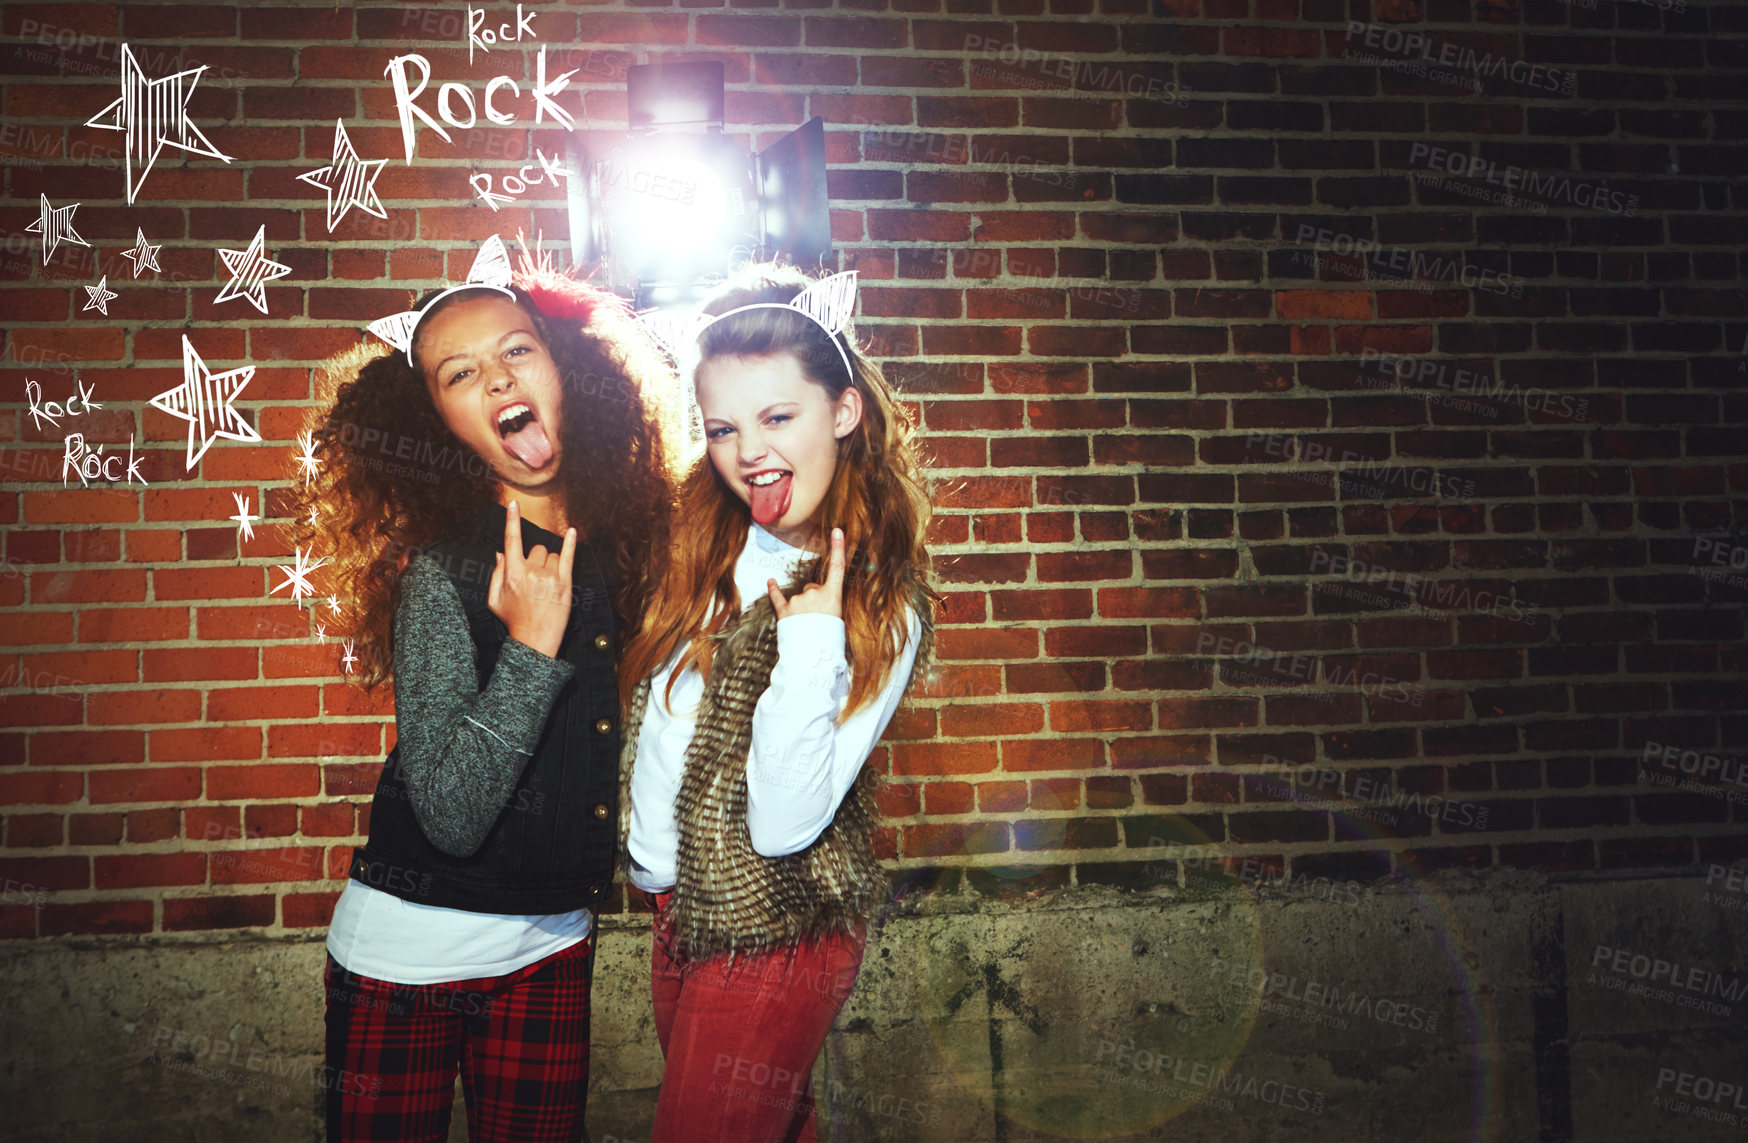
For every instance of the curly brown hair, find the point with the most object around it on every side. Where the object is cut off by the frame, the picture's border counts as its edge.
(391, 478)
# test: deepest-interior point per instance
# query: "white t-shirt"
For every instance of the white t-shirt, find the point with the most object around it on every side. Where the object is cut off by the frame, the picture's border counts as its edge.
(378, 934)
(800, 765)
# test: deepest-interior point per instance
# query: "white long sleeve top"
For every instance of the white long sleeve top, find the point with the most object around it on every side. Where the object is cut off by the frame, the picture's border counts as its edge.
(802, 762)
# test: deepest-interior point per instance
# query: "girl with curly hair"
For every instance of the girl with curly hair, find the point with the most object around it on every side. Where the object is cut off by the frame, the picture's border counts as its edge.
(490, 491)
(783, 627)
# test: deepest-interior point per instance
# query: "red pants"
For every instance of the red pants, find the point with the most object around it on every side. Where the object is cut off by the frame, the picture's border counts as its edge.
(521, 1042)
(740, 1042)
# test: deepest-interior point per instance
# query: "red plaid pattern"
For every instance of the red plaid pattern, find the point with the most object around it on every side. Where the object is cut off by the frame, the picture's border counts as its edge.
(520, 1041)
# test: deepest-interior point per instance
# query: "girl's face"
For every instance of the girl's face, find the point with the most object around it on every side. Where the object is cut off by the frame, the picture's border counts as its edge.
(495, 385)
(773, 435)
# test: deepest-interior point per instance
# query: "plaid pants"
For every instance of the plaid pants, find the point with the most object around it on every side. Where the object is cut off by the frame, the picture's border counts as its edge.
(520, 1041)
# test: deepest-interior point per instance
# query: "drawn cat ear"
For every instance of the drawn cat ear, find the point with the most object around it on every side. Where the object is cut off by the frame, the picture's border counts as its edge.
(491, 266)
(829, 301)
(675, 330)
(397, 329)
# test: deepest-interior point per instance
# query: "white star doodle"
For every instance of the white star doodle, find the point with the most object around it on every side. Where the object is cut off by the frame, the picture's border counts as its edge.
(204, 401)
(312, 517)
(243, 518)
(307, 460)
(153, 112)
(54, 225)
(144, 255)
(100, 296)
(321, 633)
(334, 604)
(251, 270)
(349, 658)
(297, 577)
(349, 180)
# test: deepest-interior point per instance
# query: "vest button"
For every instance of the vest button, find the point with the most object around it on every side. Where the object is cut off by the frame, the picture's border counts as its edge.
(604, 726)
(602, 642)
(601, 810)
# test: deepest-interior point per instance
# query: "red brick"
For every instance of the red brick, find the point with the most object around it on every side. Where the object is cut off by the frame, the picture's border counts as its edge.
(94, 829)
(947, 798)
(36, 628)
(30, 831)
(152, 706)
(955, 840)
(335, 819)
(206, 744)
(236, 783)
(1022, 755)
(47, 788)
(976, 720)
(137, 784)
(272, 820)
(967, 111)
(1001, 797)
(324, 740)
(212, 912)
(300, 661)
(264, 866)
(207, 583)
(233, 704)
(81, 668)
(144, 826)
(132, 624)
(154, 545)
(910, 758)
(200, 663)
(986, 643)
(151, 869)
(211, 823)
(97, 917)
(87, 587)
(307, 910)
(40, 709)
(1103, 715)
(51, 873)
(898, 800)
(348, 699)
(87, 747)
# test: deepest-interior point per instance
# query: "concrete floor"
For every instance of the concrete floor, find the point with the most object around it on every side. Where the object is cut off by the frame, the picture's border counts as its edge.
(1498, 1006)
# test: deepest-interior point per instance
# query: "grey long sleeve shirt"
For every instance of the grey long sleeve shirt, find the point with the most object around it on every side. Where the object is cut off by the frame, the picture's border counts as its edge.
(462, 749)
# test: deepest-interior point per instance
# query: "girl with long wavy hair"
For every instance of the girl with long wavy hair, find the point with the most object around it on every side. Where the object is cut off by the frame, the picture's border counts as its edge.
(489, 490)
(786, 621)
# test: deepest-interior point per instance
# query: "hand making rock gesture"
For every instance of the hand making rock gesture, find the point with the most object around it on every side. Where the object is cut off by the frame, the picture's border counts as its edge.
(532, 594)
(816, 598)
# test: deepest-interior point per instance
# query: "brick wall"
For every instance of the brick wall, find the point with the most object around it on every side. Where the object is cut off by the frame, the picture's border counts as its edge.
(1231, 326)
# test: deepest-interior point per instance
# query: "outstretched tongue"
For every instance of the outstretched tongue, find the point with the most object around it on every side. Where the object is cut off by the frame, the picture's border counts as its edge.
(770, 501)
(530, 445)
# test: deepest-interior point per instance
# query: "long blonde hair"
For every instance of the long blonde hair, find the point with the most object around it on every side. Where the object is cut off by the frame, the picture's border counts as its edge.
(877, 496)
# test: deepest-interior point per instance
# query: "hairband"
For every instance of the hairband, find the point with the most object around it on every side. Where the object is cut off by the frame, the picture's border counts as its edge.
(829, 302)
(490, 271)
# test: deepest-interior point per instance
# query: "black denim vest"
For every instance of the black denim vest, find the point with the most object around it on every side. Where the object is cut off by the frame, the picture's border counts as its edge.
(552, 847)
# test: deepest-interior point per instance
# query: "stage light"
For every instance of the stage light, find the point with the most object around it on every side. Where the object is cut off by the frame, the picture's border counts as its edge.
(679, 204)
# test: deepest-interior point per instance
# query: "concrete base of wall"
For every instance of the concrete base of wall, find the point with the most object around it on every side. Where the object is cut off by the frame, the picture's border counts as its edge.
(1494, 1007)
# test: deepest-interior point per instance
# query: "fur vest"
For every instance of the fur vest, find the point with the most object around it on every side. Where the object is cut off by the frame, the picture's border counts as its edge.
(729, 898)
